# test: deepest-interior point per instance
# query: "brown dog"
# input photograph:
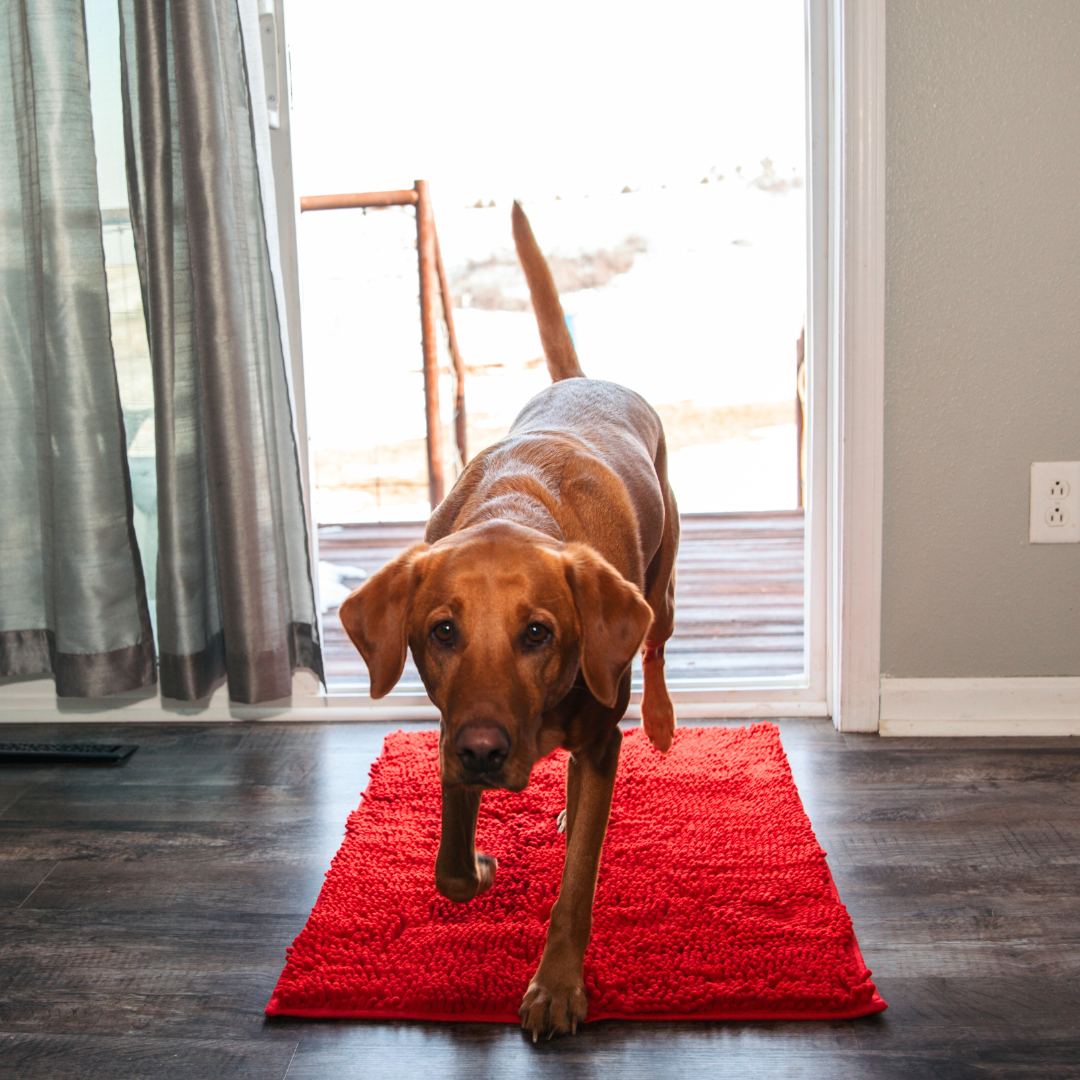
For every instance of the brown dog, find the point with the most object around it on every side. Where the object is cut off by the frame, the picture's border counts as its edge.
(542, 572)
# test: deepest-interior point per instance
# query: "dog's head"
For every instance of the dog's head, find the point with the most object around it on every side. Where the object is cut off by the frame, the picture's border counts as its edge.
(500, 619)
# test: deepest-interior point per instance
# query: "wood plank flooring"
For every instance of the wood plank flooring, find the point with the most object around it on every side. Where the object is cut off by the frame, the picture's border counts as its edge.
(145, 909)
(738, 597)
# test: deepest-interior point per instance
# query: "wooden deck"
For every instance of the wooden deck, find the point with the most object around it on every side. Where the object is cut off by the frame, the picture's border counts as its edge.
(739, 596)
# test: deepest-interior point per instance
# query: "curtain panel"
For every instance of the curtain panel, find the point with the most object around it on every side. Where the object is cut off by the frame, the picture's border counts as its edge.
(72, 597)
(234, 588)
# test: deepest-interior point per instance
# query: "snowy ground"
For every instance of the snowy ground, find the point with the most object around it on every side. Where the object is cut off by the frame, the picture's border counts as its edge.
(707, 311)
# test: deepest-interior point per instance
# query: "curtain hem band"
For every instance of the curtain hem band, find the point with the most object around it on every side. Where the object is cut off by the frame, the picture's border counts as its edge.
(77, 675)
(253, 679)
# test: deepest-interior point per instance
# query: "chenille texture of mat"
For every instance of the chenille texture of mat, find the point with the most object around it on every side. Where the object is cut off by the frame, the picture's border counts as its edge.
(714, 899)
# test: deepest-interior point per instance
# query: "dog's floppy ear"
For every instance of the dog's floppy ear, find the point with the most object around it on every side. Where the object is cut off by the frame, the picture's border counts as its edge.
(613, 615)
(376, 618)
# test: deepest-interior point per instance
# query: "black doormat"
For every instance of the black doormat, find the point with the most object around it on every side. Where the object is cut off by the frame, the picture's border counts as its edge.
(19, 752)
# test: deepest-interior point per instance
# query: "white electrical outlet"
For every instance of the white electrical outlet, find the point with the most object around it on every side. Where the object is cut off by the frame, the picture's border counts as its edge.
(1055, 502)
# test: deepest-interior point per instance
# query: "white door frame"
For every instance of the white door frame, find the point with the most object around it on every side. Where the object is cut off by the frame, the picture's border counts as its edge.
(845, 343)
(856, 359)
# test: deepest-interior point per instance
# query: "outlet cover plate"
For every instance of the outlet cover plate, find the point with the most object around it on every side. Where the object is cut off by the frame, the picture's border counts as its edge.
(1055, 502)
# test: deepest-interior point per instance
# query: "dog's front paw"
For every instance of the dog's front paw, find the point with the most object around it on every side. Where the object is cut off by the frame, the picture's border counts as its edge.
(463, 889)
(553, 1007)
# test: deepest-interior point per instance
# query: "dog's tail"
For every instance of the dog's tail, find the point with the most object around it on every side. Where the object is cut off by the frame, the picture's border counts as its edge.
(559, 351)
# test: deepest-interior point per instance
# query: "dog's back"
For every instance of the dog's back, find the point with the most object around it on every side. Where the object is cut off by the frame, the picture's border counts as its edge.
(591, 452)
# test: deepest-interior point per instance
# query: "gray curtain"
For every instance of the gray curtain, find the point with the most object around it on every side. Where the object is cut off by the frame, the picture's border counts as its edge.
(72, 599)
(234, 590)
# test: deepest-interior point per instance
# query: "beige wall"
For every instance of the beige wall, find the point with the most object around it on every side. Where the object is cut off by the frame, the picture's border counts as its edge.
(982, 334)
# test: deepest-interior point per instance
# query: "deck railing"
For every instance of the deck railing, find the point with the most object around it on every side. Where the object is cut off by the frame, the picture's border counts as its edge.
(433, 285)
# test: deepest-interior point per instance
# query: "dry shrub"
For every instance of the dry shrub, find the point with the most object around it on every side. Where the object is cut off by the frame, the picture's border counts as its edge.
(498, 284)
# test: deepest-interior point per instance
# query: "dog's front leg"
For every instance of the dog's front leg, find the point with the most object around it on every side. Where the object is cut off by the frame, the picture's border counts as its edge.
(461, 872)
(555, 1002)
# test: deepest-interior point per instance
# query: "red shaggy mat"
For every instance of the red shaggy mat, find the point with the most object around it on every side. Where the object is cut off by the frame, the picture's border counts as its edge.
(714, 901)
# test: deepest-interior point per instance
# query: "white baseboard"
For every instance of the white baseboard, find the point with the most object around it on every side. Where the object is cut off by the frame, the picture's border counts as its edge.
(36, 702)
(1034, 706)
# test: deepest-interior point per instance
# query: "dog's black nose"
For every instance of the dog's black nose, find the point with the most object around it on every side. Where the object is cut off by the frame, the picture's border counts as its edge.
(482, 747)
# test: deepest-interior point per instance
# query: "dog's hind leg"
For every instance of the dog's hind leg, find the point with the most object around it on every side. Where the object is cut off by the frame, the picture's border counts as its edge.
(657, 711)
(461, 872)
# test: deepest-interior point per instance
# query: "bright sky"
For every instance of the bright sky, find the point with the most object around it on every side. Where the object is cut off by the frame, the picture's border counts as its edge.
(529, 100)
(102, 41)
(532, 100)
(524, 100)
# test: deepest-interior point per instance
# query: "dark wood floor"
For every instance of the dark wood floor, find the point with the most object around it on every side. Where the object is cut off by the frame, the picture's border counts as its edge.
(738, 600)
(145, 910)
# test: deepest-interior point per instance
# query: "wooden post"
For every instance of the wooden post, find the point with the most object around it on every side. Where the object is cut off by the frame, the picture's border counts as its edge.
(426, 251)
(455, 356)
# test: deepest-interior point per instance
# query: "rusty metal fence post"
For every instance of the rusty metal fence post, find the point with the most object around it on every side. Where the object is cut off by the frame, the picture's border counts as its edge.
(455, 358)
(429, 287)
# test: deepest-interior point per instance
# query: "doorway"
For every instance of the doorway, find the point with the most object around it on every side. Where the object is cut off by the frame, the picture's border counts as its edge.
(681, 245)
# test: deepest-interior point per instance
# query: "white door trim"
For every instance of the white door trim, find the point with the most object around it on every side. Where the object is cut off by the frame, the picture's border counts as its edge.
(287, 216)
(856, 359)
(1019, 706)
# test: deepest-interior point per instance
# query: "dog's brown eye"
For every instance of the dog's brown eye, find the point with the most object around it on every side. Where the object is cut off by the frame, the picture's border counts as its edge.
(536, 634)
(443, 631)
